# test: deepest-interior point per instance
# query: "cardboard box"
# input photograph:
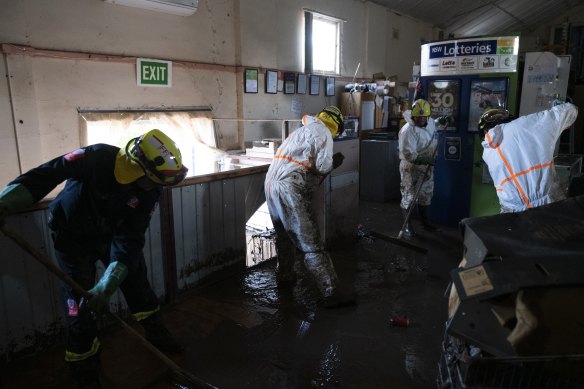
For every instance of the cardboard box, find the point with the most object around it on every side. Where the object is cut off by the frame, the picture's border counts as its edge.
(361, 105)
(351, 102)
(383, 108)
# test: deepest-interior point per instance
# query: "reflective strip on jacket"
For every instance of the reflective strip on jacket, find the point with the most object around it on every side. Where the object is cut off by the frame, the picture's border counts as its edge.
(307, 150)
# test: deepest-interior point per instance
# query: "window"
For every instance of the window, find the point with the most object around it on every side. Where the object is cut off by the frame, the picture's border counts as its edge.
(322, 43)
(193, 132)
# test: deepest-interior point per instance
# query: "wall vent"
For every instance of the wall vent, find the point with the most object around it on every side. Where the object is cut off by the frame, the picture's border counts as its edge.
(175, 7)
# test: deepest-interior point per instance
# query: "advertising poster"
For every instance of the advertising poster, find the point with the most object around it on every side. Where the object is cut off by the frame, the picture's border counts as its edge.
(444, 98)
(485, 94)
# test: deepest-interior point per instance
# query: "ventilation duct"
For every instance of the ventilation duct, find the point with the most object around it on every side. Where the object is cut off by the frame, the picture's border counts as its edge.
(175, 7)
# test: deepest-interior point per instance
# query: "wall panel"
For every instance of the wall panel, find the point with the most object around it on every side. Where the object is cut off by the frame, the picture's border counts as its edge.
(209, 225)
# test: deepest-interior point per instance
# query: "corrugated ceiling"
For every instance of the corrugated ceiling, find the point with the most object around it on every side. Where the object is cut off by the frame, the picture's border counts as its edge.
(466, 18)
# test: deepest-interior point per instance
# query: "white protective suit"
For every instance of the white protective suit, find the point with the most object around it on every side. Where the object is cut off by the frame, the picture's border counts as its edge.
(416, 142)
(520, 157)
(297, 168)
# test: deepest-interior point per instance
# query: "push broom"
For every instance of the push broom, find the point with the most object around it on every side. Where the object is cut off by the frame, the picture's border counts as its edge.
(179, 376)
(399, 238)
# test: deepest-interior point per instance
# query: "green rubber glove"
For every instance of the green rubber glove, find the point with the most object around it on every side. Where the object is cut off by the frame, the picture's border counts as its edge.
(113, 276)
(338, 159)
(424, 160)
(444, 121)
(14, 198)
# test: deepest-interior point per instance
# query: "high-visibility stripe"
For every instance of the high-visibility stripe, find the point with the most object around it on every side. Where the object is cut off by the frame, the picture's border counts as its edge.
(528, 170)
(276, 162)
(304, 165)
(75, 357)
(490, 141)
(513, 177)
(143, 315)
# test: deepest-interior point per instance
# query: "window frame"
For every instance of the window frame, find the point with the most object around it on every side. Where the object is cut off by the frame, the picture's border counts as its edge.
(309, 18)
(199, 142)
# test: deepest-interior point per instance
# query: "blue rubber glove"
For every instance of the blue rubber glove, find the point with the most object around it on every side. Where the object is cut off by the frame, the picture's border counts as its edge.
(113, 276)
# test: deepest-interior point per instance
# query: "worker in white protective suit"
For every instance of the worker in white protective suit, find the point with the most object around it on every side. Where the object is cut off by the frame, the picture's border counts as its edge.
(417, 152)
(520, 155)
(299, 165)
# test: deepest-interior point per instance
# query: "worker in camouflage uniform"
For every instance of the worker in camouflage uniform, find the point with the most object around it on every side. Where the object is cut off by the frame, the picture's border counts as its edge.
(102, 214)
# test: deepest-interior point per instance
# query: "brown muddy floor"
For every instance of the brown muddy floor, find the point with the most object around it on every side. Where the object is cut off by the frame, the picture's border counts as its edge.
(245, 332)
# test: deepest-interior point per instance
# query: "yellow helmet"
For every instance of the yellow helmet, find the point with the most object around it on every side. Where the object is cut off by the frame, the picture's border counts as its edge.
(158, 156)
(421, 108)
(332, 117)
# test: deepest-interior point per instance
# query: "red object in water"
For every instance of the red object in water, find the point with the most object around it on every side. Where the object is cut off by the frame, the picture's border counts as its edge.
(399, 321)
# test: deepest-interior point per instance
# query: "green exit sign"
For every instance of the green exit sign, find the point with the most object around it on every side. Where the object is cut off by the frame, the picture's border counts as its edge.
(153, 72)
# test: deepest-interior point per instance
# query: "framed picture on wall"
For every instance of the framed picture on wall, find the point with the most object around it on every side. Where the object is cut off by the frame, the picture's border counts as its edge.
(271, 81)
(301, 84)
(289, 82)
(250, 81)
(330, 86)
(314, 85)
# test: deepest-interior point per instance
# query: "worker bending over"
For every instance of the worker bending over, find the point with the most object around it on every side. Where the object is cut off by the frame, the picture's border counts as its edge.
(102, 214)
(520, 155)
(300, 164)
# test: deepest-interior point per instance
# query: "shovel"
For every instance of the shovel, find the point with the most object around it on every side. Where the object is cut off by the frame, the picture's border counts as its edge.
(180, 377)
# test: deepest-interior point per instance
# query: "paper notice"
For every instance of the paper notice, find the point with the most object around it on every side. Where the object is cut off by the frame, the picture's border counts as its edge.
(475, 281)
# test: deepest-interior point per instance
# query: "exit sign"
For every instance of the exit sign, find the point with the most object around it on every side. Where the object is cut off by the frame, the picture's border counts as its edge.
(153, 72)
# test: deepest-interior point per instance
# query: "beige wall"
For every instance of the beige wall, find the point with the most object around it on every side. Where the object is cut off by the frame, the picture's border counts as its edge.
(81, 54)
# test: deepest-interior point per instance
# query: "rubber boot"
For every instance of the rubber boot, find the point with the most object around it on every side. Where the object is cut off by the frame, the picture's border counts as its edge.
(158, 334)
(408, 231)
(320, 266)
(85, 373)
(425, 216)
(341, 297)
(285, 273)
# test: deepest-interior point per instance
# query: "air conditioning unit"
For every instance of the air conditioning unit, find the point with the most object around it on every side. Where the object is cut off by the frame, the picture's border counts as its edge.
(175, 7)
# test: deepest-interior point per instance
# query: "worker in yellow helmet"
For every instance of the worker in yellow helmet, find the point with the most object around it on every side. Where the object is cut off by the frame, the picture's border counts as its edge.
(299, 165)
(102, 214)
(417, 149)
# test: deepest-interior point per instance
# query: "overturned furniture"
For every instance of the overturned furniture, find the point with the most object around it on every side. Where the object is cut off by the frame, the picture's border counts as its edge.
(516, 317)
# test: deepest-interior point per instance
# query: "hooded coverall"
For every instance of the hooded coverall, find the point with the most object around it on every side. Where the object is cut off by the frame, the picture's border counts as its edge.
(297, 168)
(416, 142)
(94, 217)
(520, 158)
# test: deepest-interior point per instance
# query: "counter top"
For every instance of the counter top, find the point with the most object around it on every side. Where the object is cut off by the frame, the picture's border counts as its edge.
(228, 170)
(222, 171)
